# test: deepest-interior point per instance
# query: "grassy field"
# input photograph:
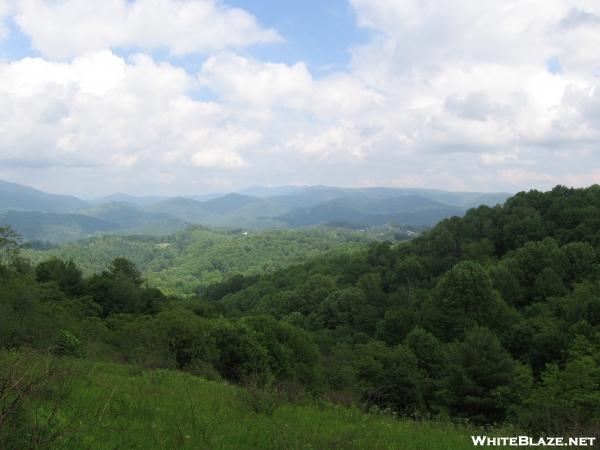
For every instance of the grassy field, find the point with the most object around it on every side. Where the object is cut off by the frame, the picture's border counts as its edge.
(112, 406)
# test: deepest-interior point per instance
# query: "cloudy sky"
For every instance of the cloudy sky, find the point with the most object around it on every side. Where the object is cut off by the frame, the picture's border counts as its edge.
(196, 96)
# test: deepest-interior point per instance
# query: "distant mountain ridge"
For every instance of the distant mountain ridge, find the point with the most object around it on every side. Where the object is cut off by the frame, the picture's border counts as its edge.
(62, 217)
(135, 219)
(17, 196)
(408, 210)
(121, 197)
(54, 227)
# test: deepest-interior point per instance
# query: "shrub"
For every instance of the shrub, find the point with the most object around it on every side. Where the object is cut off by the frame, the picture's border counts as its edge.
(67, 344)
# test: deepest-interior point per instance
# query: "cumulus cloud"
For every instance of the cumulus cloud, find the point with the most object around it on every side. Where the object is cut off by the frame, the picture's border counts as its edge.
(472, 77)
(448, 94)
(103, 111)
(340, 143)
(242, 80)
(62, 29)
(239, 79)
(473, 106)
(577, 17)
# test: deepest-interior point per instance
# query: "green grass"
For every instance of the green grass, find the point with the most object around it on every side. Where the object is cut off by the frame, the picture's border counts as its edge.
(121, 407)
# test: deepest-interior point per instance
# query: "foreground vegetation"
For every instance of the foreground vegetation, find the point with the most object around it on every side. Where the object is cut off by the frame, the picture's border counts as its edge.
(491, 319)
(108, 406)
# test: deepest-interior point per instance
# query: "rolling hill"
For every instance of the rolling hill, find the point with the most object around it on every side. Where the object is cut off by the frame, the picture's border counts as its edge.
(181, 262)
(181, 208)
(361, 209)
(135, 220)
(229, 203)
(16, 196)
(255, 208)
(54, 227)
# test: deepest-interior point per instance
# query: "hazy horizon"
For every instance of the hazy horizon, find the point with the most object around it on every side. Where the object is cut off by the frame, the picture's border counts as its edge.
(188, 97)
(241, 190)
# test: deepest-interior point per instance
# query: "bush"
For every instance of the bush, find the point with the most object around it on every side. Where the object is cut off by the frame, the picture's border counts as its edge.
(67, 344)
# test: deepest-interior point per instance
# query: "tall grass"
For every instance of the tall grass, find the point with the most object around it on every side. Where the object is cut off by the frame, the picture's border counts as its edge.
(114, 406)
(33, 397)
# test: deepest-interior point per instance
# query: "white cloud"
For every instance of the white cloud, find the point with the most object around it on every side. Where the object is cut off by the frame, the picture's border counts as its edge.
(102, 111)
(462, 77)
(316, 118)
(216, 158)
(339, 143)
(490, 159)
(239, 79)
(431, 32)
(473, 106)
(444, 94)
(62, 29)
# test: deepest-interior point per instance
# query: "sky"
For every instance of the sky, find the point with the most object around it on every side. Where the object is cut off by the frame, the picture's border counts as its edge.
(194, 96)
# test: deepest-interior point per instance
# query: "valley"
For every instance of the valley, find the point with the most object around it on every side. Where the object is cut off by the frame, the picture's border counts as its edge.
(39, 216)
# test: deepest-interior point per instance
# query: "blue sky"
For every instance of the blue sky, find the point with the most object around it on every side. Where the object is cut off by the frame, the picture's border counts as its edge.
(194, 96)
(320, 33)
(15, 45)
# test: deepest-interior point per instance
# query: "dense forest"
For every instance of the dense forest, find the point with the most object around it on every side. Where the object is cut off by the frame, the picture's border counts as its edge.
(183, 262)
(491, 318)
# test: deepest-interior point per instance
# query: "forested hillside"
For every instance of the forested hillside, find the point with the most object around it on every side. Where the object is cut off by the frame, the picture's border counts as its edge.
(183, 262)
(493, 318)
